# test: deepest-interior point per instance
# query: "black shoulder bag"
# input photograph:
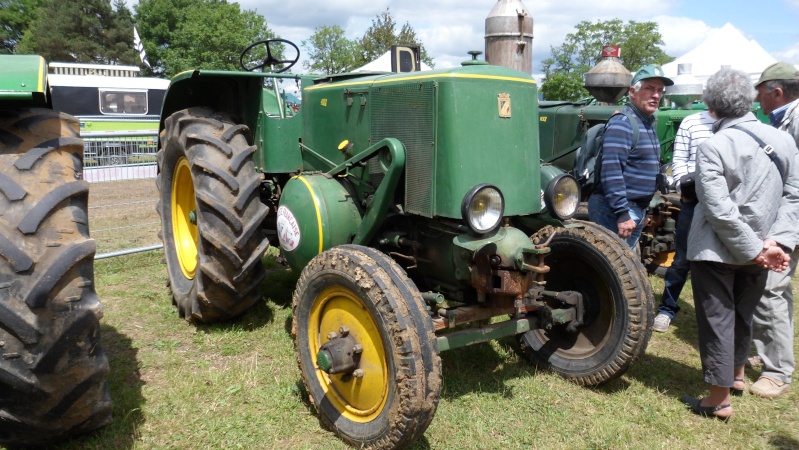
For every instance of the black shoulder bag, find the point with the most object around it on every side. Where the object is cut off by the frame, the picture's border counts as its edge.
(766, 148)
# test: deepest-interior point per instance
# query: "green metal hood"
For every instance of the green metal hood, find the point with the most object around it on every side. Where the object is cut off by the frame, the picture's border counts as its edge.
(460, 127)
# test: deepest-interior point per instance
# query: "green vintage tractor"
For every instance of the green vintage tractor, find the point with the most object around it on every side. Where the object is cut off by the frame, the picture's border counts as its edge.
(417, 210)
(52, 368)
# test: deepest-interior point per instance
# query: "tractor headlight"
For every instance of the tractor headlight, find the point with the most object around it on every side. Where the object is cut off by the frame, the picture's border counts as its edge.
(482, 208)
(562, 196)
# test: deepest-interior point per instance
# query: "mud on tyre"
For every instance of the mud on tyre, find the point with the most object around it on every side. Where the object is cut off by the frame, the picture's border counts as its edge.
(619, 305)
(52, 367)
(391, 402)
(211, 215)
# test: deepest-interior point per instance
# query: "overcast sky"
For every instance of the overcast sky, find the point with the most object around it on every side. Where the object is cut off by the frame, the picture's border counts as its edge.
(450, 28)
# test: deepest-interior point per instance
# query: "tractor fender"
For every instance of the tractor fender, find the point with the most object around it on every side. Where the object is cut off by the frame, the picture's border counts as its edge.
(235, 93)
(316, 212)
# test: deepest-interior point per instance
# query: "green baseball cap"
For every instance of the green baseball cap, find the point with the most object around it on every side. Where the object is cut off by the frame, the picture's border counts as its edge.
(778, 71)
(651, 71)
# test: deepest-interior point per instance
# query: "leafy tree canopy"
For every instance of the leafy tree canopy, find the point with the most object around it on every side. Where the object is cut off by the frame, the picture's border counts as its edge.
(84, 31)
(563, 86)
(15, 17)
(379, 38)
(329, 51)
(640, 44)
(182, 35)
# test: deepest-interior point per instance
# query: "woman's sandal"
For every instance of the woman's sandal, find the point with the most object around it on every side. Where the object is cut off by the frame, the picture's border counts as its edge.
(696, 407)
(734, 391)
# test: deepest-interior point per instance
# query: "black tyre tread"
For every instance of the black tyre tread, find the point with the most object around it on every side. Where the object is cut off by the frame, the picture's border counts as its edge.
(52, 367)
(229, 214)
(638, 308)
(47, 204)
(640, 279)
(418, 372)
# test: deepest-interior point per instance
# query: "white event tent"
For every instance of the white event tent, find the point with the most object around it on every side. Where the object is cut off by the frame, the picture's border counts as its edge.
(726, 46)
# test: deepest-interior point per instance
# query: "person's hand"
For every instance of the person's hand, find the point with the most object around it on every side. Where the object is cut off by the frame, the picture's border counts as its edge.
(626, 228)
(772, 256)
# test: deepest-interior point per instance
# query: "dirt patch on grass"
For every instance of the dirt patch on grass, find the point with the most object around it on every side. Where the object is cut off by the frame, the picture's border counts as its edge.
(122, 214)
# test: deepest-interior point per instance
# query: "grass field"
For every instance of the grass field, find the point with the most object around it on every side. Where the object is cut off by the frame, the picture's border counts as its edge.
(237, 386)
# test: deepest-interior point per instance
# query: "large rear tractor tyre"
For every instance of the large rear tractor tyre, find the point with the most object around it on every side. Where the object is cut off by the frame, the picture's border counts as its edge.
(356, 297)
(211, 215)
(618, 301)
(52, 368)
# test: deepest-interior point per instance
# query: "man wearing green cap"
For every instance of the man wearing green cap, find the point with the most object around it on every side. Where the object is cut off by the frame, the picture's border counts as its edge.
(627, 172)
(772, 325)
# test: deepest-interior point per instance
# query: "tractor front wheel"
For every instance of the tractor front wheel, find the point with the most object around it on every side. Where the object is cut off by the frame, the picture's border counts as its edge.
(211, 215)
(618, 305)
(366, 348)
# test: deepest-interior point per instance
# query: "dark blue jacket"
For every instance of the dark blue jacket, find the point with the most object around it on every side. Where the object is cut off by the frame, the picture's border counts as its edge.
(629, 175)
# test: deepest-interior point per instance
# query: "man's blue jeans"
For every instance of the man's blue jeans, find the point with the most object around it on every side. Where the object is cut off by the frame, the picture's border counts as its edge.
(677, 274)
(600, 213)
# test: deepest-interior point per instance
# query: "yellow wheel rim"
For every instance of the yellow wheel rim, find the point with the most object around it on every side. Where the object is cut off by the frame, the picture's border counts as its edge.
(358, 399)
(184, 223)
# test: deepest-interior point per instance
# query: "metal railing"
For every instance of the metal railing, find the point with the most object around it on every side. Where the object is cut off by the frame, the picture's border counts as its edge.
(121, 169)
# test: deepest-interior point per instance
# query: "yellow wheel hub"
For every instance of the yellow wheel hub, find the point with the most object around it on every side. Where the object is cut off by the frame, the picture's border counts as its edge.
(359, 399)
(184, 221)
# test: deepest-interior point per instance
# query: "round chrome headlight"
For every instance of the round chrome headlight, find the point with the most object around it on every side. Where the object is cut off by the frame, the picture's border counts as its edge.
(482, 208)
(562, 196)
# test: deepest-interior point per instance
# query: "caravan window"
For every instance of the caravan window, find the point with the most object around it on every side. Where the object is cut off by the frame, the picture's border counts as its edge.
(123, 102)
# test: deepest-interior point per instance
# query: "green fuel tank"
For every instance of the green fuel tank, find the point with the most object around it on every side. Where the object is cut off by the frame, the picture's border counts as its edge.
(316, 212)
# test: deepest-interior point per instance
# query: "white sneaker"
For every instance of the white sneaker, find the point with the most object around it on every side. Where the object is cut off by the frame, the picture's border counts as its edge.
(662, 323)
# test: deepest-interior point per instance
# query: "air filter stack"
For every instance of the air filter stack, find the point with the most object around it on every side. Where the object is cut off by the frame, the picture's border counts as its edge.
(686, 89)
(609, 80)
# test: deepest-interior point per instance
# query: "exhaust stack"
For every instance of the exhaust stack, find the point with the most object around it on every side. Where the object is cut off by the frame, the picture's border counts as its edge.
(509, 36)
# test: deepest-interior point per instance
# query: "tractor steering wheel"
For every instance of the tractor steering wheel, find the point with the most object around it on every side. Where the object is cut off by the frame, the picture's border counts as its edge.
(270, 61)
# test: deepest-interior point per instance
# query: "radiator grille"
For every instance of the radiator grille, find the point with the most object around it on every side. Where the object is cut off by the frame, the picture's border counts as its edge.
(406, 113)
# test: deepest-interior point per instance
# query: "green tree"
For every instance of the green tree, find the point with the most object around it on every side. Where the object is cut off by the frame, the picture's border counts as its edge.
(379, 38)
(89, 31)
(69, 31)
(182, 35)
(119, 48)
(640, 44)
(15, 17)
(563, 86)
(329, 51)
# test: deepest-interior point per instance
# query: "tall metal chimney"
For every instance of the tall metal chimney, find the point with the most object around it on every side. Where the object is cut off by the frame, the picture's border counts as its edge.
(509, 36)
